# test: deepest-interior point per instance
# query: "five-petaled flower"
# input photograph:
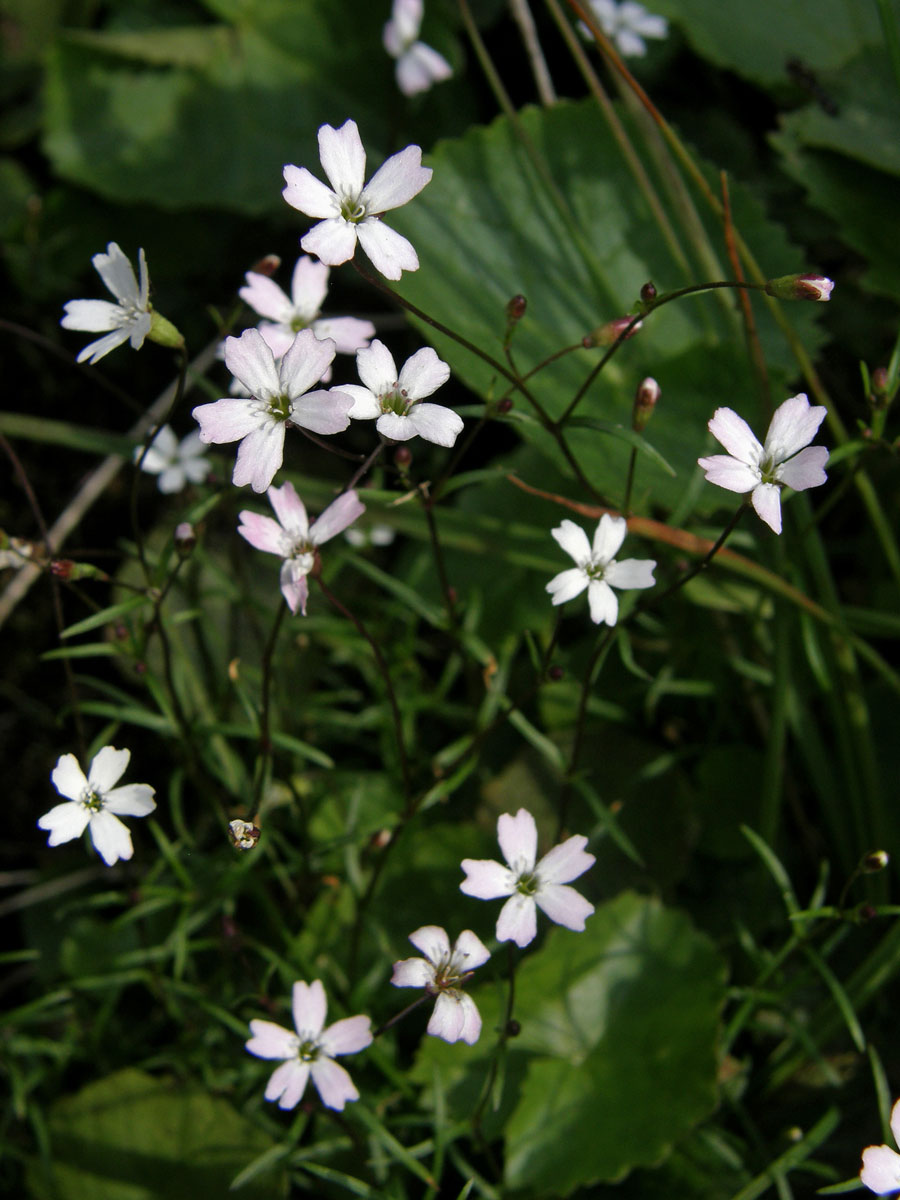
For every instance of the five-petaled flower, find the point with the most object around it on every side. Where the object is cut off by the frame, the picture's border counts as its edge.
(627, 24)
(176, 463)
(311, 1050)
(96, 804)
(442, 973)
(396, 400)
(880, 1164)
(781, 462)
(530, 885)
(292, 537)
(128, 319)
(598, 570)
(278, 394)
(287, 315)
(352, 208)
(418, 66)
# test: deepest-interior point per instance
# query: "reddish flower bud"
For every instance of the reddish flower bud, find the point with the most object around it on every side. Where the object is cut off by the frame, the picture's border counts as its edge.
(648, 292)
(800, 287)
(267, 265)
(515, 308)
(606, 334)
(645, 399)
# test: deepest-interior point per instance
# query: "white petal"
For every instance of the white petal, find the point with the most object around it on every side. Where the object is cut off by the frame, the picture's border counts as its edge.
(404, 25)
(94, 351)
(349, 334)
(132, 800)
(288, 1083)
(290, 511)
(422, 374)
(736, 436)
(469, 951)
(161, 451)
(343, 158)
(337, 516)
(171, 480)
(389, 251)
(793, 426)
(895, 1121)
(608, 537)
(517, 836)
(518, 920)
(259, 456)
(396, 181)
(334, 241)
(419, 68)
(432, 941)
(727, 472)
(412, 972)
(308, 194)
(64, 822)
(265, 297)
(107, 768)
(251, 361)
(486, 880)
(92, 316)
(376, 368)
(111, 838)
(804, 470)
(116, 271)
(566, 861)
(333, 1084)
(228, 420)
(564, 905)
(767, 502)
(347, 1036)
(630, 573)
(295, 589)
(304, 363)
(880, 1170)
(269, 1040)
(322, 411)
(568, 584)
(396, 428)
(262, 532)
(309, 1006)
(448, 1018)
(309, 286)
(436, 423)
(573, 540)
(68, 778)
(603, 603)
(471, 1020)
(366, 407)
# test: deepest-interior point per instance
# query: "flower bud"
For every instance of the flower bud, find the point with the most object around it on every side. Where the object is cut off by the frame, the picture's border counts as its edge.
(800, 287)
(875, 861)
(267, 265)
(648, 292)
(67, 570)
(185, 538)
(515, 308)
(645, 399)
(402, 457)
(243, 835)
(164, 333)
(606, 334)
(505, 405)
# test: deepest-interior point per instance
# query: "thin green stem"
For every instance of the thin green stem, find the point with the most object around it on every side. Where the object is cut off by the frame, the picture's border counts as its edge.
(264, 755)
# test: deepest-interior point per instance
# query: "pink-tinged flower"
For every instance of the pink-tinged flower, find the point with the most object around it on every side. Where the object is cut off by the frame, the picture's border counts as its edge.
(765, 470)
(277, 394)
(287, 315)
(418, 66)
(176, 463)
(442, 973)
(127, 320)
(311, 1050)
(627, 24)
(352, 208)
(880, 1164)
(292, 537)
(598, 570)
(394, 401)
(530, 886)
(96, 804)
(801, 287)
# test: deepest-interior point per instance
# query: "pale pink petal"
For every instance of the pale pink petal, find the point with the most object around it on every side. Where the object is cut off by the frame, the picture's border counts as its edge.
(337, 516)
(895, 1121)
(573, 540)
(366, 407)
(422, 374)
(347, 1036)
(603, 603)
(309, 1006)
(568, 584)
(304, 363)
(412, 972)
(279, 338)
(517, 836)
(343, 158)
(564, 905)
(132, 800)
(566, 861)
(271, 1041)
(804, 470)
(251, 361)
(294, 588)
(736, 436)
(261, 532)
(448, 1018)
(629, 44)
(377, 369)
(486, 880)
(107, 768)
(436, 423)
(68, 778)
(333, 1084)
(322, 411)
(64, 822)
(767, 502)
(469, 951)
(111, 838)
(389, 251)
(793, 426)
(309, 286)
(471, 1019)
(880, 1170)
(160, 452)
(419, 68)
(334, 241)
(404, 25)
(432, 941)
(308, 194)
(396, 181)
(397, 428)
(96, 350)
(608, 537)
(287, 1083)
(518, 920)
(92, 316)
(630, 573)
(290, 511)
(259, 456)
(265, 297)
(349, 334)
(726, 472)
(227, 420)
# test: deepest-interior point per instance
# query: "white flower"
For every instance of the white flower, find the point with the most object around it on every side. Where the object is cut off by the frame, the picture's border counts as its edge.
(627, 24)
(418, 66)
(277, 394)
(530, 886)
(287, 315)
(292, 537)
(764, 470)
(442, 972)
(310, 1051)
(128, 319)
(353, 208)
(880, 1164)
(96, 804)
(395, 400)
(598, 570)
(176, 463)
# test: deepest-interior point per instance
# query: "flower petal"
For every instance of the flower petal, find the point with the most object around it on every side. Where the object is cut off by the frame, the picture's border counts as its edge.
(518, 920)
(566, 861)
(309, 287)
(265, 297)
(470, 951)
(422, 374)
(349, 334)
(432, 941)
(396, 181)
(343, 158)
(94, 351)
(333, 1084)
(347, 1036)
(290, 511)
(880, 1170)
(132, 800)
(309, 1006)
(895, 1121)
(727, 472)
(64, 822)
(259, 456)
(92, 316)
(736, 436)
(116, 271)
(308, 194)
(568, 584)
(804, 470)
(68, 778)
(322, 411)
(397, 428)
(564, 905)
(486, 880)
(337, 516)
(471, 1020)
(295, 589)
(251, 361)
(366, 407)
(436, 423)
(228, 420)
(608, 537)
(269, 1040)
(261, 532)
(412, 972)
(334, 241)
(573, 540)
(793, 426)
(107, 768)
(630, 573)
(448, 1018)
(767, 502)
(419, 68)
(287, 1083)
(389, 252)
(304, 363)
(111, 838)
(603, 603)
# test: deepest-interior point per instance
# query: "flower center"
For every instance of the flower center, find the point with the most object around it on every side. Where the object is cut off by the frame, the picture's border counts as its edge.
(595, 570)
(396, 401)
(308, 1050)
(279, 407)
(298, 323)
(92, 799)
(352, 210)
(768, 469)
(449, 974)
(527, 884)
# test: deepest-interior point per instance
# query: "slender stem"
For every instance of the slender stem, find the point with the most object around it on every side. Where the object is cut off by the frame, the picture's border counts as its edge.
(523, 18)
(507, 1030)
(265, 736)
(698, 566)
(449, 594)
(363, 468)
(629, 483)
(603, 643)
(398, 1017)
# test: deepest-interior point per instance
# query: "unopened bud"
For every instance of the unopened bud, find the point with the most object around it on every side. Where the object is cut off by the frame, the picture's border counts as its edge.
(243, 834)
(645, 399)
(606, 334)
(267, 265)
(515, 308)
(648, 292)
(66, 569)
(185, 538)
(402, 457)
(505, 405)
(880, 381)
(513, 1028)
(875, 861)
(800, 287)
(164, 333)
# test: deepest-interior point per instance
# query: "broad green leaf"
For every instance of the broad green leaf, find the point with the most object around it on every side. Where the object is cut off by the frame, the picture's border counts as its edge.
(133, 1136)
